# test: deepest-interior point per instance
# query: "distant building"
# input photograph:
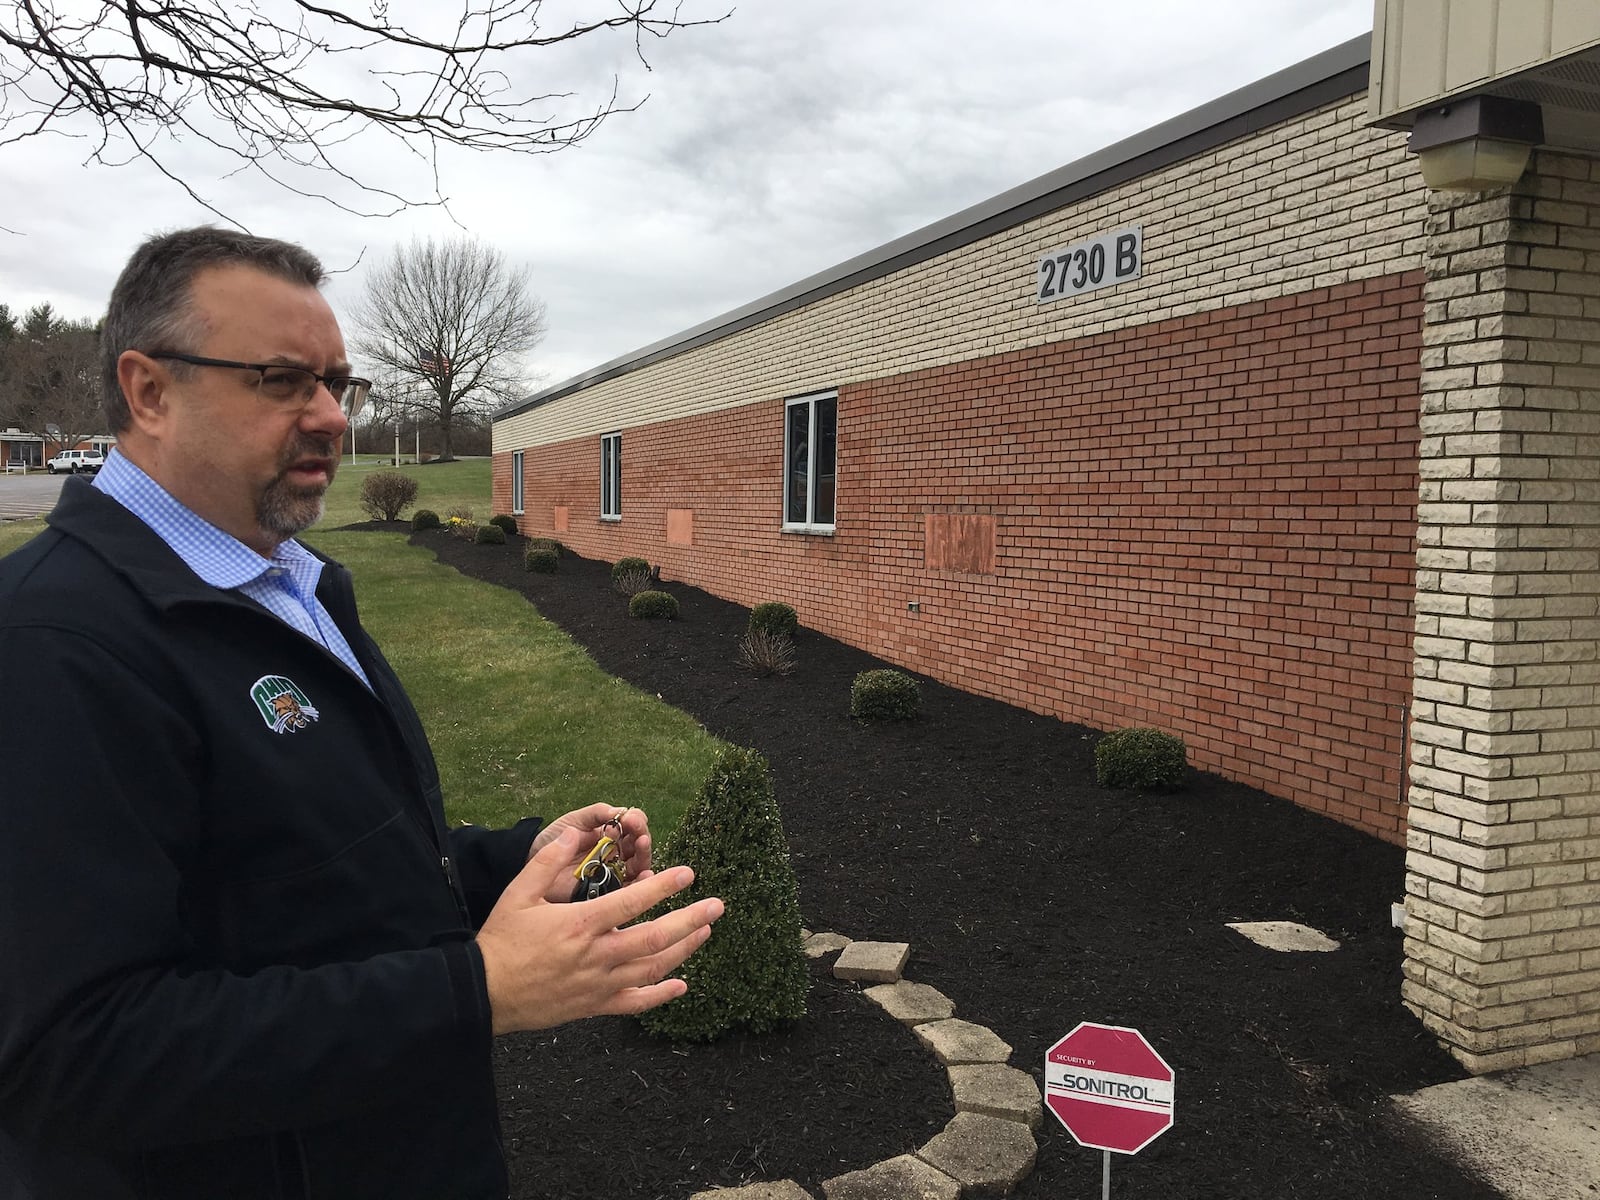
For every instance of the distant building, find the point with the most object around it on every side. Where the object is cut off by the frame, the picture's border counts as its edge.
(34, 451)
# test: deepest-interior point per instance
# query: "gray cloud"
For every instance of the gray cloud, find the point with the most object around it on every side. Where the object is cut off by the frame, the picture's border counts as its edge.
(784, 140)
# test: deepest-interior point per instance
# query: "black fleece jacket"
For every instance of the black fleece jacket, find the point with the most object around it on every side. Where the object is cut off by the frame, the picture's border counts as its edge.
(236, 951)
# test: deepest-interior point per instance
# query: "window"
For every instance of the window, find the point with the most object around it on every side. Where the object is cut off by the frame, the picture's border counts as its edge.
(516, 483)
(810, 433)
(611, 477)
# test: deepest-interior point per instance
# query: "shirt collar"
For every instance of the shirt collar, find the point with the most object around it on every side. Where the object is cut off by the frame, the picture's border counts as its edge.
(218, 558)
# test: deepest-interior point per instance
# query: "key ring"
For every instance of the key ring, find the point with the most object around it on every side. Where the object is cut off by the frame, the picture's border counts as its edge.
(601, 871)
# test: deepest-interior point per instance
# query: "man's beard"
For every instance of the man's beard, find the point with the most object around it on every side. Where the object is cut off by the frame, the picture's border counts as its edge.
(285, 509)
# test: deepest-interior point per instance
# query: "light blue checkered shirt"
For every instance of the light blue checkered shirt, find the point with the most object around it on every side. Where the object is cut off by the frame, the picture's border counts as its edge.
(285, 584)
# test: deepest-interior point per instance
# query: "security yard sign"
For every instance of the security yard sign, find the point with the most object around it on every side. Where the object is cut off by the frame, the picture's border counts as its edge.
(1110, 1088)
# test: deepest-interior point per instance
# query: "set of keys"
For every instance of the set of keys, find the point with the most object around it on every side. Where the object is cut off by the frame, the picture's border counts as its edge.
(602, 869)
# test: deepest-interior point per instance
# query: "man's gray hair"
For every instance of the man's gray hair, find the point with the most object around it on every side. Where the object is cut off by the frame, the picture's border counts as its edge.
(151, 305)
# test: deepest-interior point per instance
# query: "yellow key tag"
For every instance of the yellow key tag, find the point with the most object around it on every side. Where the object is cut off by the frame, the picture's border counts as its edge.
(603, 854)
(601, 871)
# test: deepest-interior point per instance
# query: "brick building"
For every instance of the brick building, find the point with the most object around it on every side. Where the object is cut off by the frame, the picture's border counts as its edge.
(1233, 429)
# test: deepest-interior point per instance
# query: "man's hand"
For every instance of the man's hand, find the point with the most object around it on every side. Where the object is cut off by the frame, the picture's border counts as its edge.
(550, 963)
(590, 824)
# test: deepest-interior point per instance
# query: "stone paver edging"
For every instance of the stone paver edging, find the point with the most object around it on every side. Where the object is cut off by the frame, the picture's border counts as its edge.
(986, 1149)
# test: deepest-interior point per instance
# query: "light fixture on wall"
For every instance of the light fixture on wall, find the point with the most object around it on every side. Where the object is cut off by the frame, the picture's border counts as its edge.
(1475, 144)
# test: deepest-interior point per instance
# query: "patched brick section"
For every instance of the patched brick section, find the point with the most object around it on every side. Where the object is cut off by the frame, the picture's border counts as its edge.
(680, 526)
(959, 542)
(1205, 524)
(1503, 910)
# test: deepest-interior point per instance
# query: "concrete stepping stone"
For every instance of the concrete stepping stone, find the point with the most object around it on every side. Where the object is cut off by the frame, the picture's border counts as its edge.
(912, 1003)
(872, 962)
(783, 1189)
(903, 1178)
(985, 1155)
(995, 1091)
(1286, 936)
(956, 1041)
(987, 1150)
(818, 944)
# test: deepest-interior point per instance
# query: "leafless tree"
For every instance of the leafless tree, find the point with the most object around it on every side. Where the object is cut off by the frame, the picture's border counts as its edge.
(283, 85)
(448, 322)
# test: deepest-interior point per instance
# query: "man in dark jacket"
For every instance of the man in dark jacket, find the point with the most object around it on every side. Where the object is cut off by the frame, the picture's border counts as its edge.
(241, 955)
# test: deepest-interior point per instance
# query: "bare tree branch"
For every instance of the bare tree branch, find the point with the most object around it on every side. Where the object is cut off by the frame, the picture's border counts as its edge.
(278, 84)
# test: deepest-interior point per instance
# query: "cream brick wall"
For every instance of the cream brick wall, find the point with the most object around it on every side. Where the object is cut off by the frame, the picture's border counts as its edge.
(1312, 202)
(1503, 905)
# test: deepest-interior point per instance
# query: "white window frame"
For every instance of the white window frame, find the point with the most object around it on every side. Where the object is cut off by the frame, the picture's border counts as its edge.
(516, 483)
(611, 476)
(810, 524)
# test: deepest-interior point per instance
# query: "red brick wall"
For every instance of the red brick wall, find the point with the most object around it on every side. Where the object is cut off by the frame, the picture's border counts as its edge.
(1206, 524)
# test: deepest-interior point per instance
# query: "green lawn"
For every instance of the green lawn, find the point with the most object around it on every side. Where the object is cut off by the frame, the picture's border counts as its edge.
(440, 486)
(14, 533)
(522, 721)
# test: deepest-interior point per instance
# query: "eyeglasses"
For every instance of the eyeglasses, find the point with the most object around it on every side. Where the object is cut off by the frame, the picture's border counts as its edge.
(288, 385)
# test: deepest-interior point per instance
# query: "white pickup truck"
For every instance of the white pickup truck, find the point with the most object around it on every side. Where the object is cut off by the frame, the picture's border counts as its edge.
(75, 461)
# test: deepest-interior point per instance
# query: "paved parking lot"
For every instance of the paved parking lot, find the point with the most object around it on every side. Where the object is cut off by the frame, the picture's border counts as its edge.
(28, 495)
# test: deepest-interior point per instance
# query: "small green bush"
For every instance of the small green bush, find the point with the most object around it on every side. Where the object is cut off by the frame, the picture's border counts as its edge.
(540, 561)
(506, 522)
(546, 544)
(1143, 760)
(425, 518)
(385, 493)
(751, 976)
(490, 535)
(774, 617)
(766, 653)
(885, 695)
(654, 604)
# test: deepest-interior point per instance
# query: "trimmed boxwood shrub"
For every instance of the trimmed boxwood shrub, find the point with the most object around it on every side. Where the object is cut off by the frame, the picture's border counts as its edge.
(546, 544)
(774, 617)
(625, 566)
(490, 535)
(506, 521)
(1144, 760)
(884, 695)
(425, 518)
(540, 561)
(654, 604)
(751, 976)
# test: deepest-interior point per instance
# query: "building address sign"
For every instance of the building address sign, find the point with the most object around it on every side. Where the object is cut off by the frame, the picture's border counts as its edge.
(1099, 262)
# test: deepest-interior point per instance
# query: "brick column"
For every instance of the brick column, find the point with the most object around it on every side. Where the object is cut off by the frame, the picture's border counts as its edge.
(1503, 884)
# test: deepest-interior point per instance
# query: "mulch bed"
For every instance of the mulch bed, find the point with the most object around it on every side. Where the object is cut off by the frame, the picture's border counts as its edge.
(1032, 898)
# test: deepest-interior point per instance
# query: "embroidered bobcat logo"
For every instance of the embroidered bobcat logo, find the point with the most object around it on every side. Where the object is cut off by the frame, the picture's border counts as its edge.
(282, 705)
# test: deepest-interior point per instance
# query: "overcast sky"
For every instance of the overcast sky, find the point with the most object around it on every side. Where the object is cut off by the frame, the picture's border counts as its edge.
(790, 137)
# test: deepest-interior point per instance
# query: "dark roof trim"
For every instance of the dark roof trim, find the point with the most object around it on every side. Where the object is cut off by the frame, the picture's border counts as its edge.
(1322, 79)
